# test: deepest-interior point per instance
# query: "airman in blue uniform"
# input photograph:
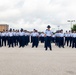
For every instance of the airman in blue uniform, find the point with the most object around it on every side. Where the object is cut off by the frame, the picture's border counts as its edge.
(48, 36)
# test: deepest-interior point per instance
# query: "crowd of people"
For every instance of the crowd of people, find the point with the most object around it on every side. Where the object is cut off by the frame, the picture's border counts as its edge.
(22, 38)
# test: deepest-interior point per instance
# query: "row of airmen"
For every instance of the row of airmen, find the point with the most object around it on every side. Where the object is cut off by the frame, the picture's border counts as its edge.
(22, 38)
(68, 38)
(14, 37)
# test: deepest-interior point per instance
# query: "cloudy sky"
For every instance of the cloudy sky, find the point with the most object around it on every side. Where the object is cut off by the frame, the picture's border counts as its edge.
(30, 14)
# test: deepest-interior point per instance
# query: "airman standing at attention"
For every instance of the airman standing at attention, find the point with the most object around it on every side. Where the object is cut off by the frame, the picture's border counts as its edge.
(42, 37)
(48, 37)
(35, 38)
(21, 38)
(10, 40)
(61, 39)
(74, 39)
(0, 40)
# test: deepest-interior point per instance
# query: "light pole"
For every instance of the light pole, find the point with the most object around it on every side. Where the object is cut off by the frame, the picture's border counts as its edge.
(58, 27)
(71, 22)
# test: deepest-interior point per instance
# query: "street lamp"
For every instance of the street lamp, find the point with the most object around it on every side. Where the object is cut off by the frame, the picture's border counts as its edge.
(58, 27)
(71, 22)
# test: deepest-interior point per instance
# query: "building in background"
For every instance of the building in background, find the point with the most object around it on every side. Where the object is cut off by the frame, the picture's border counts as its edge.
(4, 27)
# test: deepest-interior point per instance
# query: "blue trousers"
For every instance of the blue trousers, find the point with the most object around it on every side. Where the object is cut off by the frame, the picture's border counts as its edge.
(48, 42)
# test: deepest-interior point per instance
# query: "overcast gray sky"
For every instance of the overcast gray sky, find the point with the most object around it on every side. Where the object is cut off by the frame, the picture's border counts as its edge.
(30, 14)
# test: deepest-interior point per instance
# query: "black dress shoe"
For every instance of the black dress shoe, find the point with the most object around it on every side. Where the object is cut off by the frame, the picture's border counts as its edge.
(46, 49)
(63, 46)
(50, 49)
(32, 47)
(19, 46)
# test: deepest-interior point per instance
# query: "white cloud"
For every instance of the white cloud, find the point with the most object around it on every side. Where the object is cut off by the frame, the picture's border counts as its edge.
(30, 14)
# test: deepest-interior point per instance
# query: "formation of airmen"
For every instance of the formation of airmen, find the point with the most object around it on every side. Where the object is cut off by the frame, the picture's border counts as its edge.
(22, 38)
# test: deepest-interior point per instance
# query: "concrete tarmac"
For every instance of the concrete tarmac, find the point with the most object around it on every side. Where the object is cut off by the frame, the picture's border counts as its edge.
(37, 61)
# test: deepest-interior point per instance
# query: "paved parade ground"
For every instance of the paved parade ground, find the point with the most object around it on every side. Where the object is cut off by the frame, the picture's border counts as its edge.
(37, 61)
